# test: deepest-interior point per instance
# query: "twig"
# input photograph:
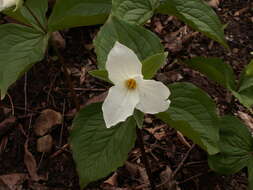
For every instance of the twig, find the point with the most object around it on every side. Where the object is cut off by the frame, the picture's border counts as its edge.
(183, 160)
(63, 115)
(25, 91)
(12, 105)
(144, 157)
(193, 177)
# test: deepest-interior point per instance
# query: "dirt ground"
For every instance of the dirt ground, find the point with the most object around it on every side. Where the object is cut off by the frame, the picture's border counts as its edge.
(45, 87)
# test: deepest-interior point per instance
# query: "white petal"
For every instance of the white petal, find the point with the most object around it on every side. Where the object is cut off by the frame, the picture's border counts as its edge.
(153, 97)
(122, 63)
(6, 4)
(119, 105)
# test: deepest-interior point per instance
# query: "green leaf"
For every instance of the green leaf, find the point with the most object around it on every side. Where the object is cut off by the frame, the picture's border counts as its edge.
(250, 174)
(193, 113)
(198, 15)
(215, 69)
(152, 64)
(38, 9)
(143, 42)
(246, 79)
(134, 11)
(100, 74)
(20, 48)
(27, 13)
(245, 92)
(97, 150)
(236, 146)
(139, 118)
(73, 13)
(245, 97)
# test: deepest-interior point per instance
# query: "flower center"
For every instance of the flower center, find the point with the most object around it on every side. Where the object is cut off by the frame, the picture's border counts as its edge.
(131, 84)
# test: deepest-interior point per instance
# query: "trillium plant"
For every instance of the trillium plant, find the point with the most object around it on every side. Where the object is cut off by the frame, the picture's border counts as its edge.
(128, 57)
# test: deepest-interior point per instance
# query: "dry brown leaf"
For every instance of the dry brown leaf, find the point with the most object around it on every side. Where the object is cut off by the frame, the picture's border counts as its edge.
(58, 40)
(45, 144)
(214, 3)
(47, 119)
(112, 180)
(12, 181)
(30, 163)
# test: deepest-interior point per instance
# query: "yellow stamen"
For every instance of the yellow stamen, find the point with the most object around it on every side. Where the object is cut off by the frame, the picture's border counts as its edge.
(131, 84)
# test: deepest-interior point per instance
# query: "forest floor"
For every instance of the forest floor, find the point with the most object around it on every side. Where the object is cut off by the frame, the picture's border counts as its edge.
(45, 87)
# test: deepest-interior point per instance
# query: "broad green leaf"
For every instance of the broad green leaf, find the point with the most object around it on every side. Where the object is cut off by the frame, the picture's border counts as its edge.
(193, 113)
(27, 13)
(152, 64)
(245, 97)
(20, 48)
(198, 15)
(73, 13)
(143, 42)
(246, 79)
(100, 74)
(98, 150)
(245, 92)
(250, 174)
(215, 69)
(139, 118)
(236, 146)
(134, 11)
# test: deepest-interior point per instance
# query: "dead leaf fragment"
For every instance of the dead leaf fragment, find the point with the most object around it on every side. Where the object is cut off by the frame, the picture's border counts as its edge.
(58, 40)
(214, 3)
(112, 180)
(30, 163)
(12, 181)
(45, 144)
(47, 119)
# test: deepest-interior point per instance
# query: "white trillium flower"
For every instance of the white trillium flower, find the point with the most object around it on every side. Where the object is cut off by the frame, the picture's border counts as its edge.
(4, 4)
(130, 90)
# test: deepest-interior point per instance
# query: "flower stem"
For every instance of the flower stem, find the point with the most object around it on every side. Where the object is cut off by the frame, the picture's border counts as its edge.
(144, 157)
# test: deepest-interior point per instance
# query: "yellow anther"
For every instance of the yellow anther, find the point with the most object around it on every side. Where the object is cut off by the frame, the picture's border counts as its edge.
(131, 84)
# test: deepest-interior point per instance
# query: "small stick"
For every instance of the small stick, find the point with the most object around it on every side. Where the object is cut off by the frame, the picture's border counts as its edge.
(183, 160)
(144, 157)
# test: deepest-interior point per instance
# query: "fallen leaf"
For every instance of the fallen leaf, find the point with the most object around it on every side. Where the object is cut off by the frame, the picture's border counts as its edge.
(12, 181)
(30, 163)
(112, 180)
(58, 40)
(45, 144)
(214, 3)
(47, 119)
